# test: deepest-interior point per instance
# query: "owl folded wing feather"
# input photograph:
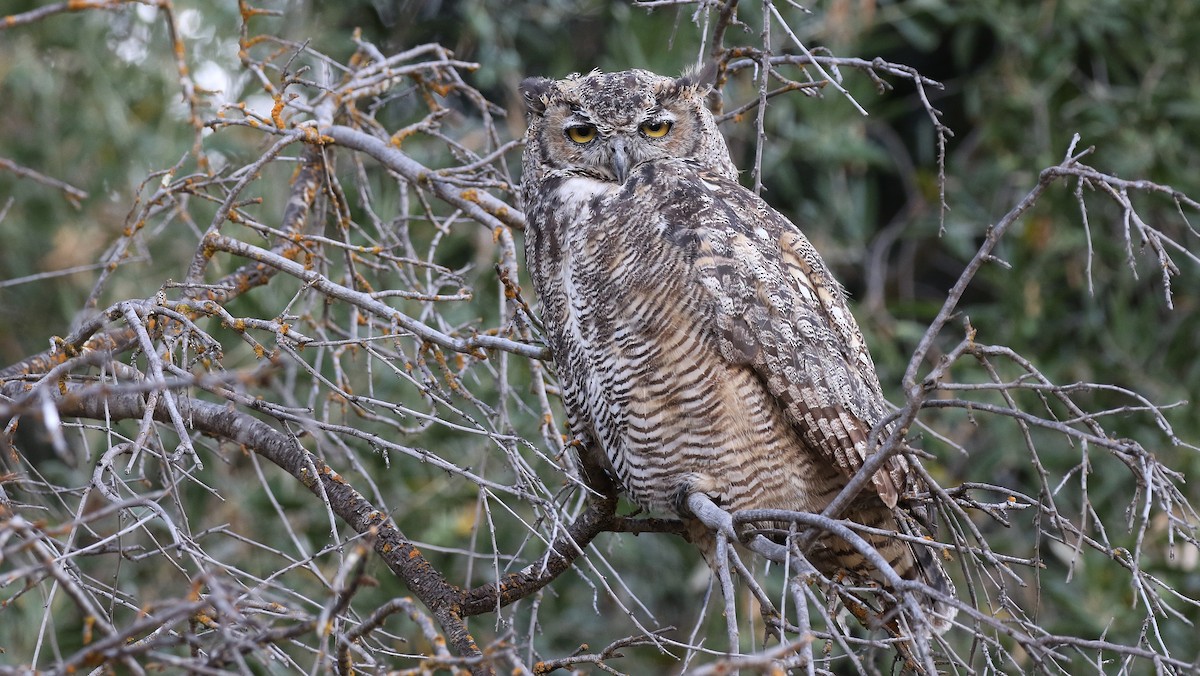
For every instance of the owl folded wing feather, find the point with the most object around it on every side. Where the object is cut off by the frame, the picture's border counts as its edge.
(776, 309)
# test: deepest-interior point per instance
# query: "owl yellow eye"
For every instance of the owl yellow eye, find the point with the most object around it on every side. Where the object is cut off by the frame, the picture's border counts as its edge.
(583, 133)
(656, 129)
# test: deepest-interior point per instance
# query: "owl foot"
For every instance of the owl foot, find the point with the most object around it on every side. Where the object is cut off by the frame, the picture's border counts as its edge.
(703, 508)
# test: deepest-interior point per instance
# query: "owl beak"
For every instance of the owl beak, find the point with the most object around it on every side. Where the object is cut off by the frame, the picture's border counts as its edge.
(620, 159)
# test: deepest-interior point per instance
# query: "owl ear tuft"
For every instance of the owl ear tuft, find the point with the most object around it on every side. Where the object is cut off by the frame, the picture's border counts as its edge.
(701, 77)
(703, 81)
(535, 91)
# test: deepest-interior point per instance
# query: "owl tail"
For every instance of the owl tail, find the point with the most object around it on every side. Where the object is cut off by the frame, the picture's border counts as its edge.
(927, 565)
(910, 561)
(835, 557)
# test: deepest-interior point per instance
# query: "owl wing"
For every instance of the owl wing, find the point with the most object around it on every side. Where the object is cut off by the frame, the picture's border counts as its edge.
(777, 310)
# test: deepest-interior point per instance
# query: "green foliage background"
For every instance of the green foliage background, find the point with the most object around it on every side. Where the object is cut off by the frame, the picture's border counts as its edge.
(92, 98)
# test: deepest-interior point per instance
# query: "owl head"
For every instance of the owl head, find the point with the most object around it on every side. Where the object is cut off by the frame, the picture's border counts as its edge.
(605, 125)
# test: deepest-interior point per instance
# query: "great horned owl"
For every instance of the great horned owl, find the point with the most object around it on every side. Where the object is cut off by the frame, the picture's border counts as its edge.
(699, 339)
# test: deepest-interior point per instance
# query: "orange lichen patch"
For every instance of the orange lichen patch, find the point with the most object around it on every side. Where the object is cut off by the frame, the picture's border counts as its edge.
(130, 229)
(247, 11)
(442, 88)
(205, 619)
(414, 553)
(207, 250)
(63, 348)
(398, 138)
(277, 112)
(424, 88)
(244, 284)
(311, 135)
(332, 475)
(362, 284)
(451, 381)
(470, 195)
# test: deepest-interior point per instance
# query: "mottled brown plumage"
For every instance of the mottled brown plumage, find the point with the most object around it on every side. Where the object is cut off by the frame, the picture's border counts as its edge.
(700, 341)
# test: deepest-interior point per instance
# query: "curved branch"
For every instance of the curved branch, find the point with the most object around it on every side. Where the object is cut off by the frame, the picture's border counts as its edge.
(598, 518)
(448, 603)
(479, 205)
(369, 303)
(400, 555)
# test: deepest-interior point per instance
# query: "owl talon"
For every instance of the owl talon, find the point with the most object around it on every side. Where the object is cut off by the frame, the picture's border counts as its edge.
(703, 508)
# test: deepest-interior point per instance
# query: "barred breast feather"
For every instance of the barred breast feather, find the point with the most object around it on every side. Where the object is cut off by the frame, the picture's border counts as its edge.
(696, 358)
